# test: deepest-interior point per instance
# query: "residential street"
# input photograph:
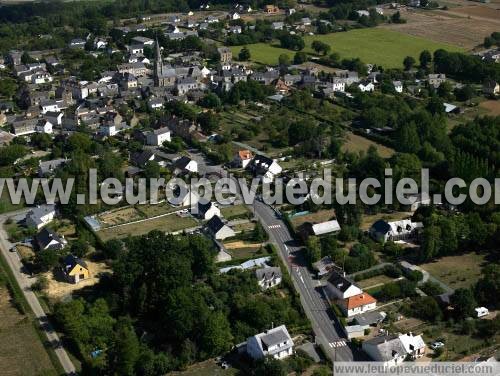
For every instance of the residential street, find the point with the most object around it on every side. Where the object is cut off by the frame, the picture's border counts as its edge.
(25, 283)
(328, 331)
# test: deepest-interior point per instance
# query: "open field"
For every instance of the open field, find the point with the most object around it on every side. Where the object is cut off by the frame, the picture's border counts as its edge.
(449, 27)
(355, 144)
(457, 271)
(370, 282)
(21, 349)
(492, 106)
(375, 45)
(119, 216)
(317, 217)
(153, 210)
(168, 223)
(239, 249)
(480, 11)
(208, 367)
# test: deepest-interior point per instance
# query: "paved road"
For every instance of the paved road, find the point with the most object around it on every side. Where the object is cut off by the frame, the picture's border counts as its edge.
(14, 262)
(327, 329)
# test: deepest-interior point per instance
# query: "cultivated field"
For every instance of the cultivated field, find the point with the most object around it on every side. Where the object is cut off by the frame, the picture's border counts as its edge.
(355, 144)
(457, 271)
(318, 217)
(449, 27)
(21, 350)
(375, 45)
(119, 216)
(168, 223)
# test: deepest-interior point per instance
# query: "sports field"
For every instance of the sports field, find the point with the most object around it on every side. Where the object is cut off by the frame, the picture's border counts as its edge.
(374, 45)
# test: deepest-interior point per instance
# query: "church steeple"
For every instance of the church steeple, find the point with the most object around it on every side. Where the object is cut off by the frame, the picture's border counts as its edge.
(158, 64)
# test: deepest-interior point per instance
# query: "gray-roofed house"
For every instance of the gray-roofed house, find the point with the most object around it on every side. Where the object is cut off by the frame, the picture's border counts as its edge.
(398, 230)
(218, 229)
(48, 239)
(268, 277)
(206, 210)
(274, 342)
(75, 269)
(185, 164)
(387, 349)
(158, 136)
(325, 227)
(40, 216)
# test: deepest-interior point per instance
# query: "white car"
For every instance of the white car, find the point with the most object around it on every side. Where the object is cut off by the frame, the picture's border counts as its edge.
(437, 345)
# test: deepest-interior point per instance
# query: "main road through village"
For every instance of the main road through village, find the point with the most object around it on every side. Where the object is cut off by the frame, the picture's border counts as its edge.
(329, 333)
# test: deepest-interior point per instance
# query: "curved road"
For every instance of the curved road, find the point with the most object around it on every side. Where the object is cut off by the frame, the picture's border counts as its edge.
(15, 264)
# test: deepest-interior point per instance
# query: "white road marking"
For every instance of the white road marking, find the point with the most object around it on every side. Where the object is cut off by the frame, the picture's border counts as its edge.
(338, 344)
(274, 226)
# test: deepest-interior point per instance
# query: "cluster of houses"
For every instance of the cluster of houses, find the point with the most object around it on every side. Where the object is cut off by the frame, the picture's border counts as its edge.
(73, 268)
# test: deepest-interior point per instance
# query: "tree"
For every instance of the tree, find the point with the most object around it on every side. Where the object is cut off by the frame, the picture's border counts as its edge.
(209, 122)
(300, 57)
(397, 19)
(284, 60)
(488, 42)
(269, 366)
(313, 249)
(292, 42)
(217, 337)
(425, 58)
(409, 63)
(463, 303)
(488, 286)
(259, 234)
(244, 54)
(126, 349)
(10, 153)
(46, 259)
(319, 46)
(79, 248)
(426, 308)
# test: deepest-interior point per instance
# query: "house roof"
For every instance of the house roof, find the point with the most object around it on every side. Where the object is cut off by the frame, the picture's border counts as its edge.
(71, 261)
(140, 158)
(215, 224)
(388, 346)
(359, 300)
(245, 154)
(203, 207)
(340, 282)
(44, 237)
(326, 227)
(268, 274)
(40, 211)
(411, 342)
(182, 162)
(274, 336)
(370, 318)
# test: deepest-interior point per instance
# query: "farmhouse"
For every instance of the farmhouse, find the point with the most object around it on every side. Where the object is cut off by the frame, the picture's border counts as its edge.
(268, 277)
(75, 269)
(274, 342)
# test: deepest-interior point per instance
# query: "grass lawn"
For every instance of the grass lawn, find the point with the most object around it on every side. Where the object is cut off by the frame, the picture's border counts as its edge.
(208, 367)
(368, 220)
(317, 217)
(372, 45)
(379, 279)
(169, 223)
(355, 143)
(457, 271)
(22, 351)
(234, 211)
(119, 216)
(6, 205)
(150, 210)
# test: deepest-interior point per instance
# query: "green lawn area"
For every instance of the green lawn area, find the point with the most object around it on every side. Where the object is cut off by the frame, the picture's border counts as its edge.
(355, 144)
(371, 45)
(379, 279)
(6, 205)
(169, 223)
(457, 271)
(153, 210)
(234, 211)
(208, 367)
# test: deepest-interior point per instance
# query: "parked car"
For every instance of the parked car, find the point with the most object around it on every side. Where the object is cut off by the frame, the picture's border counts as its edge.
(437, 345)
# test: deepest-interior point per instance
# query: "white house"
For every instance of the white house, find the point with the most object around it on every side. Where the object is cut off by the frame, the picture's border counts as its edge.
(414, 345)
(49, 105)
(275, 342)
(155, 103)
(40, 216)
(358, 304)
(108, 130)
(482, 311)
(339, 287)
(398, 86)
(243, 158)
(44, 126)
(158, 136)
(366, 86)
(218, 229)
(383, 231)
(268, 277)
(185, 164)
(338, 84)
(207, 210)
(235, 16)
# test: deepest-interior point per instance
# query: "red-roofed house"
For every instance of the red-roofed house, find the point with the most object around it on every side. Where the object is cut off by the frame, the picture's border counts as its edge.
(243, 158)
(358, 304)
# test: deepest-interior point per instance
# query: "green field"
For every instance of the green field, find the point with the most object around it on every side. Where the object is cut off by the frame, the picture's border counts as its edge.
(373, 45)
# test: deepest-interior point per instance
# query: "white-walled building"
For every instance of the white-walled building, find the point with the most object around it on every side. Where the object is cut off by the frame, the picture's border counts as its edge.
(274, 342)
(40, 216)
(268, 277)
(158, 136)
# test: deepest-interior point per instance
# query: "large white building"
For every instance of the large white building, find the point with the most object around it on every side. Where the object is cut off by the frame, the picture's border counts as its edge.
(274, 342)
(158, 136)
